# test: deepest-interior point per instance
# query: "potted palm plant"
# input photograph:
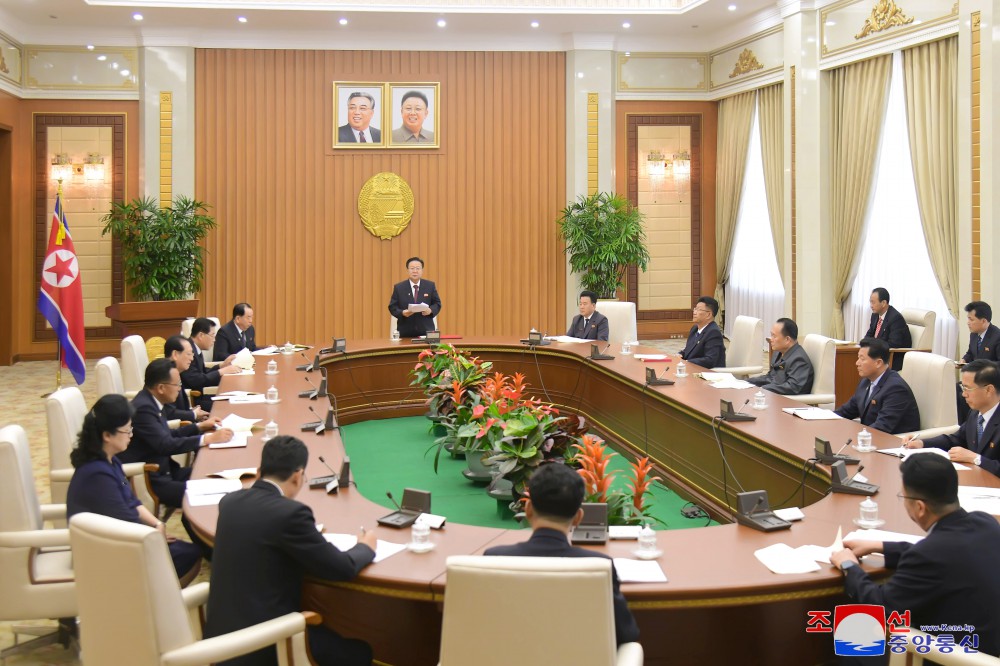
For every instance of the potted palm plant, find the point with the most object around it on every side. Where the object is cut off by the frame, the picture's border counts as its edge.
(163, 261)
(604, 235)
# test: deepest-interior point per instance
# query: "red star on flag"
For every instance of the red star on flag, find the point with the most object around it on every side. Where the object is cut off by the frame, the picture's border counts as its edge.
(63, 268)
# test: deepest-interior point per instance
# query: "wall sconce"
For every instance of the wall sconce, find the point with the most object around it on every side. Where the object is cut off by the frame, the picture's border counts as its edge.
(62, 168)
(656, 164)
(682, 164)
(93, 167)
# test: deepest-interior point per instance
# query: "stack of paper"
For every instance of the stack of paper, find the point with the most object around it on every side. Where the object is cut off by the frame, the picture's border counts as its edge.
(240, 440)
(881, 535)
(724, 380)
(234, 394)
(651, 357)
(976, 498)
(565, 338)
(270, 350)
(205, 492)
(811, 413)
(244, 359)
(235, 473)
(781, 558)
(249, 399)
(904, 453)
(237, 423)
(383, 549)
(637, 571)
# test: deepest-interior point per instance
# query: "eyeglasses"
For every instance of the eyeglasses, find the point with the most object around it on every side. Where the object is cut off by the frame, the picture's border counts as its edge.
(169, 384)
(908, 497)
(125, 432)
(970, 389)
(705, 310)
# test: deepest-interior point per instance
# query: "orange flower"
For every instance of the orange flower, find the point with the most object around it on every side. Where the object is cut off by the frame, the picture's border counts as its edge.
(641, 481)
(594, 459)
(478, 411)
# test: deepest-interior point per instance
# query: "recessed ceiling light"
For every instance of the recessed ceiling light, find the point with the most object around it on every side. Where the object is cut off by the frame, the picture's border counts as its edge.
(342, 21)
(241, 19)
(626, 25)
(731, 8)
(90, 47)
(114, 65)
(137, 16)
(534, 24)
(102, 58)
(442, 23)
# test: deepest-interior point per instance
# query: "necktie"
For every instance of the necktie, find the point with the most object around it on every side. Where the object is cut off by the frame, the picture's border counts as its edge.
(243, 338)
(878, 327)
(979, 345)
(980, 426)
(586, 324)
(361, 137)
(414, 293)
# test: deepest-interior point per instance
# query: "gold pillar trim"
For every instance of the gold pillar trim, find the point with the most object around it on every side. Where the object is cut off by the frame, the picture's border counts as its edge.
(746, 63)
(976, 144)
(166, 148)
(593, 109)
(3, 65)
(385, 205)
(885, 14)
(792, 189)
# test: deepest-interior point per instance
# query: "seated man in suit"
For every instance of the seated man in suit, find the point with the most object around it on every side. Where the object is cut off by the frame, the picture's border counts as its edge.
(236, 334)
(153, 442)
(178, 349)
(266, 543)
(883, 400)
(556, 493)
(413, 324)
(791, 370)
(589, 324)
(198, 376)
(949, 578)
(705, 346)
(976, 442)
(886, 323)
(984, 336)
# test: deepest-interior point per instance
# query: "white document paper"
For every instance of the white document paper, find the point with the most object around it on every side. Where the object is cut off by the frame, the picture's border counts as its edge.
(651, 357)
(731, 384)
(205, 500)
(904, 453)
(816, 553)
(790, 514)
(253, 399)
(565, 338)
(639, 571)
(212, 486)
(235, 473)
(234, 394)
(237, 423)
(433, 521)
(244, 359)
(781, 558)
(977, 498)
(881, 535)
(624, 531)
(239, 441)
(270, 350)
(716, 376)
(417, 307)
(383, 549)
(811, 413)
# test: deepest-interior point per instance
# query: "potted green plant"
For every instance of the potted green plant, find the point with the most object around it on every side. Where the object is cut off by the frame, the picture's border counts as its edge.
(448, 378)
(624, 508)
(163, 261)
(604, 235)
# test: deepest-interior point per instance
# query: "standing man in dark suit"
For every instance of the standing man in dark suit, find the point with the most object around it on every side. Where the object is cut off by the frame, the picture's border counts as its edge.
(413, 324)
(883, 400)
(236, 334)
(886, 323)
(705, 346)
(198, 375)
(791, 370)
(552, 509)
(949, 578)
(154, 442)
(360, 110)
(266, 543)
(976, 442)
(984, 337)
(589, 324)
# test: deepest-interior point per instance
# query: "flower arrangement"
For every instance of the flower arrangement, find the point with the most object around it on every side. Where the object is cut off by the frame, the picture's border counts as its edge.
(448, 377)
(624, 508)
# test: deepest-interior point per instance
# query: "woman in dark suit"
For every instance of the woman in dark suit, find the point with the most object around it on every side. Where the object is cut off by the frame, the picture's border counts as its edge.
(99, 484)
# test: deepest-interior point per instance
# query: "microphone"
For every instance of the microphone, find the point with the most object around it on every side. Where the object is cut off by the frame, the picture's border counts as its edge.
(653, 380)
(858, 471)
(825, 454)
(388, 494)
(313, 394)
(743, 407)
(317, 426)
(760, 500)
(308, 366)
(331, 482)
(726, 412)
(323, 460)
(840, 483)
(759, 516)
(849, 440)
(600, 355)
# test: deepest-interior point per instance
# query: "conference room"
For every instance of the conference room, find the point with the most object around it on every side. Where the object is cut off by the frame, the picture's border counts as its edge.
(782, 161)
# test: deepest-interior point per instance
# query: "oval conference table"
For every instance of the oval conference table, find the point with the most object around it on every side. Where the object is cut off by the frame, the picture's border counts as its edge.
(720, 604)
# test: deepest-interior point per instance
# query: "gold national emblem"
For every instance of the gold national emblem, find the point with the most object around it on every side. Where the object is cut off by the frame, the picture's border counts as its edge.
(385, 205)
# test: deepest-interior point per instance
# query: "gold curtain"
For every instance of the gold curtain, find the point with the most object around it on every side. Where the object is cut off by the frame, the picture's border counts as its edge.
(735, 122)
(771, 115)
(858, 94)
(930, 72)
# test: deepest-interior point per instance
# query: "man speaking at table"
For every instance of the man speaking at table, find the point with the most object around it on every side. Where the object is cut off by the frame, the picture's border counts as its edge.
(413, 321)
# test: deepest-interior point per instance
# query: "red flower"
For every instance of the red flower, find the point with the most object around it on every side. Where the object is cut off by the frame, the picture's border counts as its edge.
(478, 411)
(485, 428)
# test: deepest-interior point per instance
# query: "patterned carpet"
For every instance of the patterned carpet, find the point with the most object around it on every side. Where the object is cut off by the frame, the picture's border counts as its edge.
(21, 402)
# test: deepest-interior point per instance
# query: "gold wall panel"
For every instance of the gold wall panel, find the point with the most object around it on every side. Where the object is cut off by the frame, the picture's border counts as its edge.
(166, 148)
(593, 110)
(976, 145)
(849, 25)
(78, 68)
(662, 72)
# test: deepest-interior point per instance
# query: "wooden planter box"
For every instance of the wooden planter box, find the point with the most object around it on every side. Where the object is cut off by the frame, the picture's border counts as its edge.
(151, 318)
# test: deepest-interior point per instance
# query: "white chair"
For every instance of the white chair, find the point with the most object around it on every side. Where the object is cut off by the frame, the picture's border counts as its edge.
(955, 658)
(37, 579)
(932, 380)
(921, 325)
(509, 585)
(186, 332)
(109, 378)
(130, 612)
(621, 320)
(821, 351)
(134, 362)
(64, 412)
(744, 355)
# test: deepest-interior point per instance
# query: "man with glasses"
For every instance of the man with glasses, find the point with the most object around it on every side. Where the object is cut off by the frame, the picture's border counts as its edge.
(949, 578)
(154, 442)
(705, 346)
(179, 350)
(976, 442)
(198, 376)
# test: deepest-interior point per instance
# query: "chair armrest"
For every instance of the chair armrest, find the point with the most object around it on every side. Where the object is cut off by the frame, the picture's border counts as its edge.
(61, 475)
(174, 424)
(131, 394)
(907, 349)
(210, 390)
(212, 364)
(236, 643)
(34, 539)
(136, 469)
(195, 595)
(629, 654)
(53, 511)
(814, 398)
(930, 432)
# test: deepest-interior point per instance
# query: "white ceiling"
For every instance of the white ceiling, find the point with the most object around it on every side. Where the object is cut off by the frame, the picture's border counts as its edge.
(704, 27)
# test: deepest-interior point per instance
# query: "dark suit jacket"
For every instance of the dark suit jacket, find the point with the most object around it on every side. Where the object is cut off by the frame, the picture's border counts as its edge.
(989, 349)
(228, 341)
(598, 329)
(416, 324)
(180, 409)
(553, 543)
(265, 545)
(967, 437)
(949, 578)
(152, 441)
(894, 329)
(345, 135)
(198, 377)
(891, 408)
(790, 374)
(708, 349)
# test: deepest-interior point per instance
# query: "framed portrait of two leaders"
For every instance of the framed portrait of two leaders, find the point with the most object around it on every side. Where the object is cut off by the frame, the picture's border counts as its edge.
(371, 116)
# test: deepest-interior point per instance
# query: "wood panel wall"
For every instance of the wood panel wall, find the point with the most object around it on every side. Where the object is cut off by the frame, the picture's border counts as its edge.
(290, 240)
